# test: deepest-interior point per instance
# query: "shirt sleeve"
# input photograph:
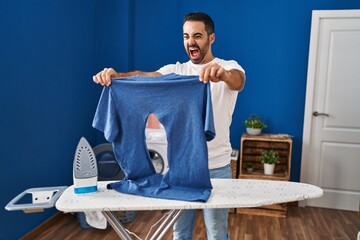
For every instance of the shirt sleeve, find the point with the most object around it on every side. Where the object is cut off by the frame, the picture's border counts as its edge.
(167, 69)
(233, 65)
(106, 117)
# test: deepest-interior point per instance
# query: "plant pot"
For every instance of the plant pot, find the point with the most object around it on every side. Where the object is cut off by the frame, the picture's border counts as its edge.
(269, 169)
(253, 131)
(249, 169)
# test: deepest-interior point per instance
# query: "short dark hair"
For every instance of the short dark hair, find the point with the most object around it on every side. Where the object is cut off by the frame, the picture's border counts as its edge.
(201, 17)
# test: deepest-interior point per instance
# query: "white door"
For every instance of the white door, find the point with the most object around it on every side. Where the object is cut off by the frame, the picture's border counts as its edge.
(331, 137)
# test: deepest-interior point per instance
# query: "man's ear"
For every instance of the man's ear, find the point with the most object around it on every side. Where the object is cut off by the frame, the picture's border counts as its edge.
(212, 38)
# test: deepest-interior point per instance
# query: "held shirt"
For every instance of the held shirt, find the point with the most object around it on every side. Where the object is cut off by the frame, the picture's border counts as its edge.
(183, 105)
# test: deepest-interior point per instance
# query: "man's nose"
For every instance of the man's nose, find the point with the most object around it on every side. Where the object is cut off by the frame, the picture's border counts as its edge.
(192, 40)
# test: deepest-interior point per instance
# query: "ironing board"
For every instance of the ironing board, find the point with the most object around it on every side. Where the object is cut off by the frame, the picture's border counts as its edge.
(226, 193)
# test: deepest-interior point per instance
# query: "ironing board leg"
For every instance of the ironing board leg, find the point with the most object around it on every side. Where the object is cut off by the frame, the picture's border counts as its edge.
(116, 225)
(158, 234)
(166, 224)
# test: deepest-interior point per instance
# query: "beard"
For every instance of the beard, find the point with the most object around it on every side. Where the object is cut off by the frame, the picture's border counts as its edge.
(196, 54)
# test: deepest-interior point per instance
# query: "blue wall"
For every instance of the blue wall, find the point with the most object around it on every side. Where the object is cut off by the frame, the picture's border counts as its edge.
(48, 53)
(270, 39)
(50, 49)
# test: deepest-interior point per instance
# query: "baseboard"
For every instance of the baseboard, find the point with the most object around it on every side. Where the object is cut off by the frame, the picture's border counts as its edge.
(42, 227)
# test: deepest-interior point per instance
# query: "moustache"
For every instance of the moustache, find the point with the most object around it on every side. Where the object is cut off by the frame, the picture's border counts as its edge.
(193, 46)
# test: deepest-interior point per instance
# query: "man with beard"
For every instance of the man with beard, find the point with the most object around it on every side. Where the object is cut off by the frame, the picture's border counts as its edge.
(226, 78)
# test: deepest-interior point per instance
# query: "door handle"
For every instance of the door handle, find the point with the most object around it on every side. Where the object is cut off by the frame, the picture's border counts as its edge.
(315, 114)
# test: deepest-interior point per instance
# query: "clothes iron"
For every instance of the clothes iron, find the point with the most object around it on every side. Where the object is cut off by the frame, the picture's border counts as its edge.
(85, 171)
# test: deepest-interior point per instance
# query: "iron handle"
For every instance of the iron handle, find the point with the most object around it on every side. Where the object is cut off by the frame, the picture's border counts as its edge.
(320, 114)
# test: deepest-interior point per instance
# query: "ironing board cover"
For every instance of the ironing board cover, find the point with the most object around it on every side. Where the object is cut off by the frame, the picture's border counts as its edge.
(227, 193)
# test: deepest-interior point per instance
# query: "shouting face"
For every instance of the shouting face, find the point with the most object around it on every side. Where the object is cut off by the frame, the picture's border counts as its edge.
(197, 42)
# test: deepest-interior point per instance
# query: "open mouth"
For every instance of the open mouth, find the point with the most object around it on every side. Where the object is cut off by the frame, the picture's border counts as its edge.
(194, 52)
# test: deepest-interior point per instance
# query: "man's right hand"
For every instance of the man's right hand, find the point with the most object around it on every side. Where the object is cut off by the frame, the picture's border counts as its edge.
(104, 77)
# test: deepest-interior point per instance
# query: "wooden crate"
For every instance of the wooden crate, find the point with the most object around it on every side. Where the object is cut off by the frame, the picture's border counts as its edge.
(276, 210)
(251, 148)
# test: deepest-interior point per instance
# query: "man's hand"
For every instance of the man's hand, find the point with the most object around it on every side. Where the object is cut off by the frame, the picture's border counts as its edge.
(213, 72)
(104, 77)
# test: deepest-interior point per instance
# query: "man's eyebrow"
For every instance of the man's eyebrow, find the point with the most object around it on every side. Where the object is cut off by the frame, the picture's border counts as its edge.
(195, 34)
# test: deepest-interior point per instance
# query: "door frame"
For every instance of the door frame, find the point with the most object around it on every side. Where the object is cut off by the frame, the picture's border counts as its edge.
(317, 17)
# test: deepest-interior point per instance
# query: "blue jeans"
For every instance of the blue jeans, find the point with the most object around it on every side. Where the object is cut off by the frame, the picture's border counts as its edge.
(216, 220)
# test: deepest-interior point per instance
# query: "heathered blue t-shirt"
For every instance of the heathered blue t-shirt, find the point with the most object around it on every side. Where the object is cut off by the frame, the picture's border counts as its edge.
(183, 105)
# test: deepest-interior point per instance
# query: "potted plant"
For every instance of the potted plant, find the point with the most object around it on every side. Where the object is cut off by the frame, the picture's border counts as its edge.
(254, 125)
(249, 167)
(269, 159)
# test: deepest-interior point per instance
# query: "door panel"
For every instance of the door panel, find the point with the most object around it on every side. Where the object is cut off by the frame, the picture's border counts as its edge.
(331, 143)
(340, 159)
